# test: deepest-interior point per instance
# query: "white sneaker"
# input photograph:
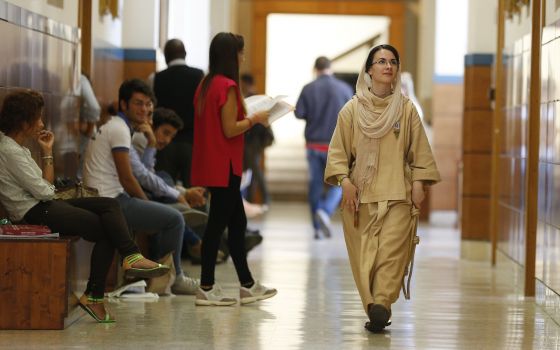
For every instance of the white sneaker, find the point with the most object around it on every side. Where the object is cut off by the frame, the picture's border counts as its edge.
(324, 221)
(213, 297)
(255, 293)
(185, 285)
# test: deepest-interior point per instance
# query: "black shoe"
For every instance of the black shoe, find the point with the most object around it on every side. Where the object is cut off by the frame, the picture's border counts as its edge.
(252, 240)
(251, 231)
(379, 318)
(369, 327)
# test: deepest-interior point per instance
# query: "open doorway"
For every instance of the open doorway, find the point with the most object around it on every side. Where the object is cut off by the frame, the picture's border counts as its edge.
(294, 41)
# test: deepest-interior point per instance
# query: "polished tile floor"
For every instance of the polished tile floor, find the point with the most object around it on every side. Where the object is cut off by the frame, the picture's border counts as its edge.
(458, 302)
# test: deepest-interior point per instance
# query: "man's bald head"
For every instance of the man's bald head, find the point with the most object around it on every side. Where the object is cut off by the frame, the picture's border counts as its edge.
(174, 49)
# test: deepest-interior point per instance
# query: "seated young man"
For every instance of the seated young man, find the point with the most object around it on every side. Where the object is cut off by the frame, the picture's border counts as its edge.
(142, 158)
(107, 168)
(145, 145)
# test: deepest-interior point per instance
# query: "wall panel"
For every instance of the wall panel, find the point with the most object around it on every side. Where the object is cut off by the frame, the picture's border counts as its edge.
(514, 150)
(477, 130)
(548, 231)
(476, 148)
(41, 54)
(447, 107)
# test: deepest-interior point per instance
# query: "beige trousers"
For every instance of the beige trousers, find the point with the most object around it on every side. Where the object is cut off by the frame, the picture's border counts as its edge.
(379, 249)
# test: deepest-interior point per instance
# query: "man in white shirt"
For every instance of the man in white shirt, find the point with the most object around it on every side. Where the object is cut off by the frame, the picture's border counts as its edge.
(107, 168)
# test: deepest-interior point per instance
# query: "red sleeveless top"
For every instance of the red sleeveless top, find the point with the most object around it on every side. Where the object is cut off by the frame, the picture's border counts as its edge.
(212, 151)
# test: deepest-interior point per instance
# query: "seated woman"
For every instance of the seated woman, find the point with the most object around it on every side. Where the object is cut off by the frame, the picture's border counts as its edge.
(28, 195)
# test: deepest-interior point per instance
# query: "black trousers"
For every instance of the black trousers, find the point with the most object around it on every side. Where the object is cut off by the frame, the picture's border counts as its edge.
(98, 220)
(226, 210)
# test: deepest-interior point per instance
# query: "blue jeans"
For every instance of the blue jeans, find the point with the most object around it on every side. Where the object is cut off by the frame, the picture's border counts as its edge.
(189, 236)
(167, 222)
(320, 197)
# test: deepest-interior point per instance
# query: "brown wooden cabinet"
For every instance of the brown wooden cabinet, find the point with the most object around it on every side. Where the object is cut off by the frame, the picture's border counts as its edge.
(41, 280)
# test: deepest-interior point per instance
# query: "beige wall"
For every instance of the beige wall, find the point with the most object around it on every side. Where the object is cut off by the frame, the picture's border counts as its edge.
(552, 11)
(67, 15)
(410, 61)
(482, 22)
(106, 31)
(447, 108)
(140, 24)
(244, 26)
(518, 27)
(425, 55)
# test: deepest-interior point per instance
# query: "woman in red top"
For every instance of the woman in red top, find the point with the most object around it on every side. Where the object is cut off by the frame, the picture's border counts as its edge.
(219, 125)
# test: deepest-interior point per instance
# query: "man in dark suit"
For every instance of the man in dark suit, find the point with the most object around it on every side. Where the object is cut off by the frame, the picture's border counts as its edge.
(174, 88)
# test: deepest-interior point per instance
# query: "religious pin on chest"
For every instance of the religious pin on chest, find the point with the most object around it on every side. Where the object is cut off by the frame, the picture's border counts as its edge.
(397, 129)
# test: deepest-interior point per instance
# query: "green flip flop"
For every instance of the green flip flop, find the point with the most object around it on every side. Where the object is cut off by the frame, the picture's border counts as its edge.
(132, 272)
(84, 304)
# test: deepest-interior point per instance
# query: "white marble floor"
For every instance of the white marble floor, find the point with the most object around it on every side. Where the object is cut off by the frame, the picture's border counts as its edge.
(458, 302)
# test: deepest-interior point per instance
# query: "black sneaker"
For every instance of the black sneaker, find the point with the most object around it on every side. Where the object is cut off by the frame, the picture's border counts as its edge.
(379, 318)
(370, 328)
(252, 239)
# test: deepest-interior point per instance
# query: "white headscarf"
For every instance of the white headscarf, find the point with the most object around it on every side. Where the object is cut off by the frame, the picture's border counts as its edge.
(376, 117)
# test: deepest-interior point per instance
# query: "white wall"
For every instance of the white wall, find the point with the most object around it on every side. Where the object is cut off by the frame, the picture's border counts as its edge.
(106, 30)
(295, 41)
(67, 15)
(136, 27)
(518, 27)
(189, 20)
(552, 15)
(482, 26)
(451, 37)
(140, 24)
(426, 50)
(552, 11)
(220, 16)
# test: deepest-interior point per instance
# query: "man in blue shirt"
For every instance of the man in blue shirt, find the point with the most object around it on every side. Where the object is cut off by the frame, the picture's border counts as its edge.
(319, 104)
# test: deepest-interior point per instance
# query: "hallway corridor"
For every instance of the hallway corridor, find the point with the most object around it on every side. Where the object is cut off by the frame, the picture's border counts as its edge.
(456, 303)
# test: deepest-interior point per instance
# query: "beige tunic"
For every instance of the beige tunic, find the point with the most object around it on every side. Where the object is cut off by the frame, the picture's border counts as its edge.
(379, 248)
(402, 159)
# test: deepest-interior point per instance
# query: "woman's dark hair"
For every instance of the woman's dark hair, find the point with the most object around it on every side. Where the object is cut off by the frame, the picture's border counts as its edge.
(164, 116)
(369, 61)
(19, 107)
(224, 60)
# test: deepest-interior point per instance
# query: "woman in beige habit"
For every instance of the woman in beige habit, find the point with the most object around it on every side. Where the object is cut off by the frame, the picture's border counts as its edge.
(381, 157)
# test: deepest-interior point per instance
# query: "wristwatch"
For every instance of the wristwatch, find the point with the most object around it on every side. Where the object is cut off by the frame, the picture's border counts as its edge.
(340, 179)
